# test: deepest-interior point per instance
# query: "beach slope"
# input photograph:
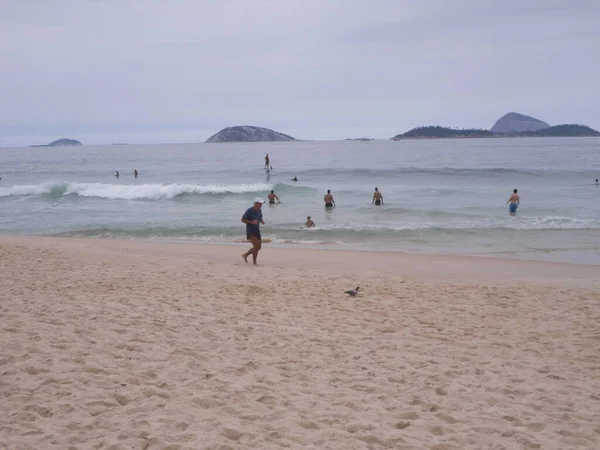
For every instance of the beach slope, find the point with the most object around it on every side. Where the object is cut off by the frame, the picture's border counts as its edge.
(122, 344)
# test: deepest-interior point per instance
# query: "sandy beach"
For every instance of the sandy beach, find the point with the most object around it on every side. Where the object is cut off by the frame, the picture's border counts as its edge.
(112, 344)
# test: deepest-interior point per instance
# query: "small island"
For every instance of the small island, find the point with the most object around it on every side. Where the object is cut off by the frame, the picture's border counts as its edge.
(365, 139)
(567, 130)
(247, 133)
(437, 132)
(60, 143)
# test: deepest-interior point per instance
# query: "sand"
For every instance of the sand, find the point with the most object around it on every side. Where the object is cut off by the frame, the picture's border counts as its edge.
(120, 344)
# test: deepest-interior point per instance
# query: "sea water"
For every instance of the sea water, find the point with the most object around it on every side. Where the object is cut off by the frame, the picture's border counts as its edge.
(440, 196)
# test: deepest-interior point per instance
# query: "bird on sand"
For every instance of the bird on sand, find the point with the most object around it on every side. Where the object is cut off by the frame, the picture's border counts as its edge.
(353, 292)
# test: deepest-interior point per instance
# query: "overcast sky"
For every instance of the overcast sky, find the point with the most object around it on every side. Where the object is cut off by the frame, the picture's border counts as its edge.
(149, 71)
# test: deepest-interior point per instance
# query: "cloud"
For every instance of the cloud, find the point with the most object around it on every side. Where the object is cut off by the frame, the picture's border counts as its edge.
(319, 68)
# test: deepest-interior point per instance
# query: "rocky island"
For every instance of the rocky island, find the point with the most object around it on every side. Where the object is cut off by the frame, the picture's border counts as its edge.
(248, 133)
(510, 125)
(60, 143)
(515, 123)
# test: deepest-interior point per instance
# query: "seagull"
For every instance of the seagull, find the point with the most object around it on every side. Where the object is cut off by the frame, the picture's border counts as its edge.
(353, 292)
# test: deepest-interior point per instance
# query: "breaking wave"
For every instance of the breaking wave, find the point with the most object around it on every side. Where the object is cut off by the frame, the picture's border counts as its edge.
(130, 192)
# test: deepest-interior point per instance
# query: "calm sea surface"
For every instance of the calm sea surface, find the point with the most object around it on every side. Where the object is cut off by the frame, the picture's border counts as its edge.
(441, 196)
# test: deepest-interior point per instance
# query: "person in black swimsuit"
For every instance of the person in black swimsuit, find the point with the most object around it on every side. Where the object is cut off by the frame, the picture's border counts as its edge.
(329, 201)
(377, 198)
(272, 197)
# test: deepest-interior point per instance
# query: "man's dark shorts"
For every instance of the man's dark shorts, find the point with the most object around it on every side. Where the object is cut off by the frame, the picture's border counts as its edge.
(248, 236)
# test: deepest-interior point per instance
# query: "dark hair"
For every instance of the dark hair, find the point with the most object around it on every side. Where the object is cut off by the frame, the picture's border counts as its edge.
(308, 217)
(271, 192)
(515, 191)
(328, 191)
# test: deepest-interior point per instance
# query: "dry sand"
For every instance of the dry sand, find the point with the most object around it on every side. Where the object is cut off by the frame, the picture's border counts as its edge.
(119, 345)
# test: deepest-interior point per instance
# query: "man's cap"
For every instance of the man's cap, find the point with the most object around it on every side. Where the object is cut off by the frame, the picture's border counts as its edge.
(258, 200)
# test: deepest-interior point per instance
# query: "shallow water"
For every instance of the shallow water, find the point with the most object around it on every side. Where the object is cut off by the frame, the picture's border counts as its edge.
(441, 196)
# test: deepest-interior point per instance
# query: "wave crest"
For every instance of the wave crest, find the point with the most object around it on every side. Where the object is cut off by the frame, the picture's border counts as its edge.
(129, 191)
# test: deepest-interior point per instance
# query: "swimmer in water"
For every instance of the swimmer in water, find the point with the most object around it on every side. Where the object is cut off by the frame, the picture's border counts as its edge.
(377, 198)
(514, 201)
(272, 197)
(328, 199)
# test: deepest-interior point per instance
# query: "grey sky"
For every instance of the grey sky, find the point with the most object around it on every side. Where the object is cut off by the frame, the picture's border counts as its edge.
(105, 71)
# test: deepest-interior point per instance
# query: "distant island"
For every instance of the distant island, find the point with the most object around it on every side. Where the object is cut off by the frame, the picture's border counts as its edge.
(510, 125)
(247, 133)
(60, 143)
(567, 130)
(436, 131)
(360, 139)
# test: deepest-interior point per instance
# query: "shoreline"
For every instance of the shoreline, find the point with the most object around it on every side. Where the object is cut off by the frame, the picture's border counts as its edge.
(581, 256)
(470, 268)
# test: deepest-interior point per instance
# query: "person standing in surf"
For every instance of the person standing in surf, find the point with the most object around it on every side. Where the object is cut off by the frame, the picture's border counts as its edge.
(272, 197)
(267, 162)
(514, 201)
(328, 199)
(377, 198)
(253, 218)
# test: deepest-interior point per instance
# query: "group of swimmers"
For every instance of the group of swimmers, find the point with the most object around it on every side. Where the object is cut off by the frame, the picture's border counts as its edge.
(330, 202)
(328, 199)
(253, 217)
(135, 173)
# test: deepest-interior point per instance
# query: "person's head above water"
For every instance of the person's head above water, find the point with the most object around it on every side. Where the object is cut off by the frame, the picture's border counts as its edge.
(376, 189)
(272, 192)
(328, 191)
(515, 190)
(308, 218)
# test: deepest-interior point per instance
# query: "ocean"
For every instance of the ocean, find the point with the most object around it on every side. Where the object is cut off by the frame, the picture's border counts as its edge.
(441, 196)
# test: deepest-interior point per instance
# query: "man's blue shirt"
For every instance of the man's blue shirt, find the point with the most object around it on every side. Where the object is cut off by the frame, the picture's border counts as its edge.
(253, 214)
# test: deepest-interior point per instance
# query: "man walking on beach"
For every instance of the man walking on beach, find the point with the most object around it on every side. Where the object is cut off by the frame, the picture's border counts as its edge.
(377, 198)
(514, 203)
(329, 201)
(253, 218)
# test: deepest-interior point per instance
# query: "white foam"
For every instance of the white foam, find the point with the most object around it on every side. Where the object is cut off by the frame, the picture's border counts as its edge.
(128, 191)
